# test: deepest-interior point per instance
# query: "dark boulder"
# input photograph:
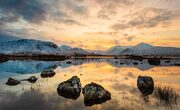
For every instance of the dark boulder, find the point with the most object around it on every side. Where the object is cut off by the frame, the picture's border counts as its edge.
(70, 89)
(95, 94)
(145, 85)
(48, 74)
(12, 82)
(32, 79)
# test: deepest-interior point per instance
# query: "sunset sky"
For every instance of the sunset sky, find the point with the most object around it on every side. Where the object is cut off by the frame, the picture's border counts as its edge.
(92, 24)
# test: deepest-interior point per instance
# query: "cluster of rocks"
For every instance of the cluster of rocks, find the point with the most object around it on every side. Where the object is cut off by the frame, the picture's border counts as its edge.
(14, 82)
(32, 79)
(93, 93)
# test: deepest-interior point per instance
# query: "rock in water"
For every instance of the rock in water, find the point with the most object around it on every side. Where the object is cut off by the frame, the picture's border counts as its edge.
(145, 85)
(95, 94)
(32, 79)
(70, 89)
(47, 74)
(12, 82)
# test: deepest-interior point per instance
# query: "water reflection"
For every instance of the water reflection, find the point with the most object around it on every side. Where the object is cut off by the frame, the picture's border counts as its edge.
(118, 76)
(31, 66)
(156, 62)
(27, 67)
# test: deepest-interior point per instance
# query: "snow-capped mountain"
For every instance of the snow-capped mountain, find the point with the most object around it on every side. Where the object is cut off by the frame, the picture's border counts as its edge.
(97, 52)
(29, 47)
(139, 49)
(144, 49)
(67, 50)
(116, 50)
(36, 47)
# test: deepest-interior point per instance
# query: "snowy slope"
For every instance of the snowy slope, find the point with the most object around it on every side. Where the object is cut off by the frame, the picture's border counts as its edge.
(147, 49)
(29, 47)
(144, 49)
(67, 50)
(116, 50)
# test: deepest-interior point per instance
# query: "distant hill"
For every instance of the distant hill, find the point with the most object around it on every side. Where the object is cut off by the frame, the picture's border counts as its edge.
(36, 47)
(67, 50)
(144, 49)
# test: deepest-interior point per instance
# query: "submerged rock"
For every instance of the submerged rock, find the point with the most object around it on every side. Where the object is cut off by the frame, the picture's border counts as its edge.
(95, 94)
(48, 74)
(70, 89)
(32, 79)
(12, 82)
(145, 85)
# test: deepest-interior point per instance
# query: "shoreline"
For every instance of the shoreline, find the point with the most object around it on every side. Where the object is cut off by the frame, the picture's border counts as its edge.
(62, 57)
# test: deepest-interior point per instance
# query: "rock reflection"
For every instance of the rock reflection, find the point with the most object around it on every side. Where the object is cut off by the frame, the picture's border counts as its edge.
(154, 62)
(95, 94)
(145, 85)
(48, 74)
(70, 89)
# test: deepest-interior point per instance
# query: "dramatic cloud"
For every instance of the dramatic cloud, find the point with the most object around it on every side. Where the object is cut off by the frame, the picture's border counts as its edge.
(92, 21)
(32, 11)
(147, 18)
(7, 37)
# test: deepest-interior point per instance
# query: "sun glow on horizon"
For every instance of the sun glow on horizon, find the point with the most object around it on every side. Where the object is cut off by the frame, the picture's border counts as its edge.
(94, 24)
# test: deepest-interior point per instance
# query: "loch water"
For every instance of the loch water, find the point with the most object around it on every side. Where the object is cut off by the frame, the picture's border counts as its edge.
(118, 76)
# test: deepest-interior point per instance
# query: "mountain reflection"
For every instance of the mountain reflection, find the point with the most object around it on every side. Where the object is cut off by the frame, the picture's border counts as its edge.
(32, 66)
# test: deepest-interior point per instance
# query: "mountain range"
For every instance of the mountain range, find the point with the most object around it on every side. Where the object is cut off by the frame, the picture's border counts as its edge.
(37, 47)
(144, 49)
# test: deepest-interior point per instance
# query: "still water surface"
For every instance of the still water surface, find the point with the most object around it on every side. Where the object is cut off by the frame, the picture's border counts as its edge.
(118, 76)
